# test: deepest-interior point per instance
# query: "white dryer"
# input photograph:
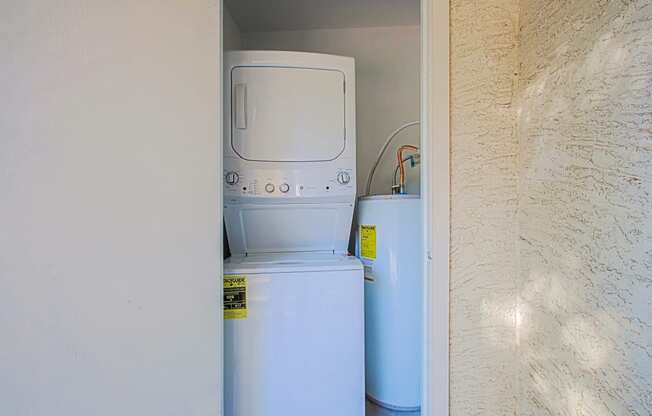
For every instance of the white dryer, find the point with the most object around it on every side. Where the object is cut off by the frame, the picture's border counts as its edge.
(294, 324)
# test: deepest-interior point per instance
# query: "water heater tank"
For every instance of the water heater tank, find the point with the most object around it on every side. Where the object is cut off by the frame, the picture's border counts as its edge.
(389, 244)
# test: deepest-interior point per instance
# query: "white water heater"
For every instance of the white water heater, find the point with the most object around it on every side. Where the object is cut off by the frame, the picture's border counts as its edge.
(389, 243)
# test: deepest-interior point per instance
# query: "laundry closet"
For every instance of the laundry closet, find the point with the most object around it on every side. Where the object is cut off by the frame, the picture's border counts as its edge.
(321, 184)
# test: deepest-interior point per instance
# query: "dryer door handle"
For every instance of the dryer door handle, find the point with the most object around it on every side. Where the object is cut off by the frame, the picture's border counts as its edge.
(240, 106)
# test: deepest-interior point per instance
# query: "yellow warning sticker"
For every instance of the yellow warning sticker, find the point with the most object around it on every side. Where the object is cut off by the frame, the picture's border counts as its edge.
(368, 242)
(235, 296)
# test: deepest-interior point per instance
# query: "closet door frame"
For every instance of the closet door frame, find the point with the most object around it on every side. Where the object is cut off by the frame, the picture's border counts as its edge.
(435, 197)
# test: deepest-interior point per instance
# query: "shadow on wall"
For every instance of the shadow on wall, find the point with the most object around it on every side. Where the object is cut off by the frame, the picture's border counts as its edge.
(585, 126)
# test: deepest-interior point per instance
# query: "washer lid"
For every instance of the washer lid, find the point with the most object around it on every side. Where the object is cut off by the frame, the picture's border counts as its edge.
(283, 114)
(290, 262)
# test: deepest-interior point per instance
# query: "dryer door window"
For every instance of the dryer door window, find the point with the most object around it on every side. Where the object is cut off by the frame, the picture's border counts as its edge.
(287, 114)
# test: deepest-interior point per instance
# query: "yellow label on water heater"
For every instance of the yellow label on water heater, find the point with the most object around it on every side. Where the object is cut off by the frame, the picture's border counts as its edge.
(235, 296)
(368, 242)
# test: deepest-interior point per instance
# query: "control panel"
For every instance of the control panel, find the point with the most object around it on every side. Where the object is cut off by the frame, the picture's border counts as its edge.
(290, 183)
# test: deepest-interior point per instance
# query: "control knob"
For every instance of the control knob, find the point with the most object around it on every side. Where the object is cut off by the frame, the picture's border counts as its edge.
(231, 178)
(269, 188)
(284, 187)
(343, 178)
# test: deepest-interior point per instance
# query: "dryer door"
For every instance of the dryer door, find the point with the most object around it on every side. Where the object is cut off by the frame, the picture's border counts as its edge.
(281, 114)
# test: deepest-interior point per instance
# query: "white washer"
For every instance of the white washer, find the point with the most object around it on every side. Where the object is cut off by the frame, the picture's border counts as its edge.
(294, 333)
(300, 349)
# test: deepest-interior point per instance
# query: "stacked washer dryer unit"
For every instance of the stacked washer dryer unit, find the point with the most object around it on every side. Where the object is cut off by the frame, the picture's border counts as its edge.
(294, 324)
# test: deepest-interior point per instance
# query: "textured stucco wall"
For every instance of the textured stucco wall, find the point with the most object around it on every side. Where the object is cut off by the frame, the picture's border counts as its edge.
(585, 207)
(483, 207)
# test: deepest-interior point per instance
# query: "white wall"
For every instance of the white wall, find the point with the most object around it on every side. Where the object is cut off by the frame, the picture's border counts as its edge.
(109, 214)
(387, 85)
(232, 37)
